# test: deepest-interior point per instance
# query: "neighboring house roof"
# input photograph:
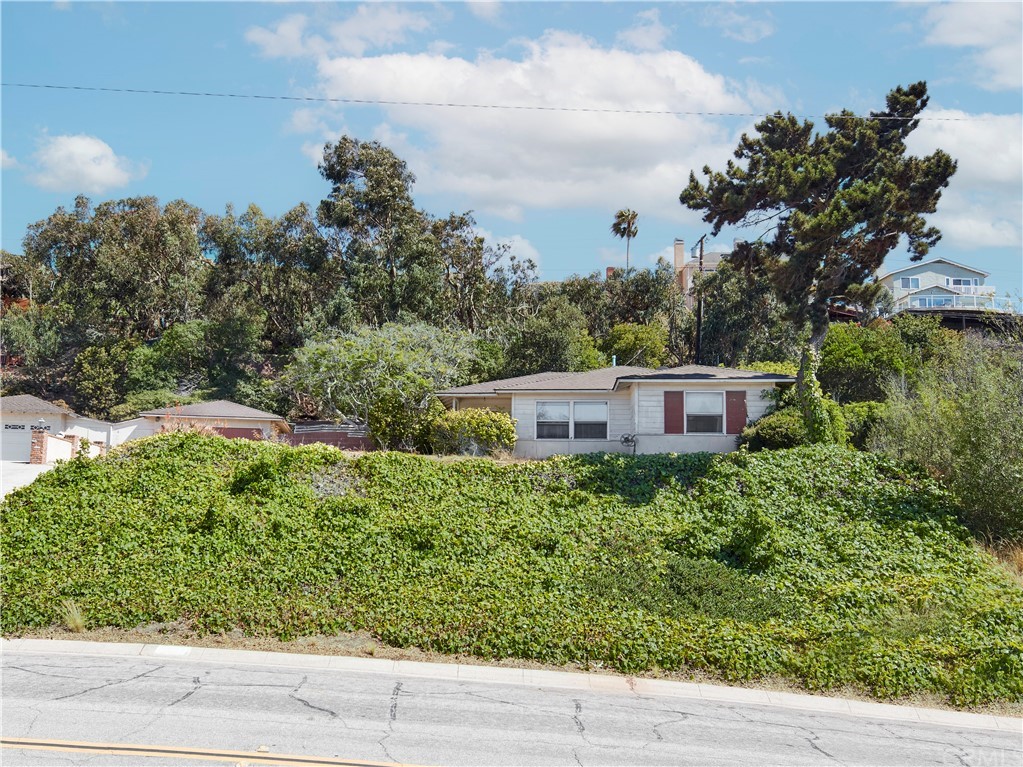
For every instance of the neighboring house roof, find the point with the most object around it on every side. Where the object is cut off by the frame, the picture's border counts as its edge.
(935, 261)
(27, 403)
(930, 289)
(220, 408)
(608, 379)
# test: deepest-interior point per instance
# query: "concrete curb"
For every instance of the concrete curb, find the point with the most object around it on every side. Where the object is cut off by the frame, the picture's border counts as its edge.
(604, 683)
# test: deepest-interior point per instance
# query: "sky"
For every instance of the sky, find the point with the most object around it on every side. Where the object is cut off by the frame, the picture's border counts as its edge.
(541, 178)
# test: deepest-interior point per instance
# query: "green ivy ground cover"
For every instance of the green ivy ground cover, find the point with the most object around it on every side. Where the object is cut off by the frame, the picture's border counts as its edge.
(827, 566)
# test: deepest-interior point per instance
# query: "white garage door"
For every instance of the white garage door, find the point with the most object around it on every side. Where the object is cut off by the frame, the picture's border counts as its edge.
(15, 442)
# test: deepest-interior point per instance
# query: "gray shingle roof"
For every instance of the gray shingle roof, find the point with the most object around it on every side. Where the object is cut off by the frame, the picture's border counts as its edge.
(607, 379)
(603, 379)
(27, 403)
(706, 373)
(488, 388)
(220, 408)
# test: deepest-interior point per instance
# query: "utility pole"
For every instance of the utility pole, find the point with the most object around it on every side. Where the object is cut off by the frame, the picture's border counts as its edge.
(699, 306)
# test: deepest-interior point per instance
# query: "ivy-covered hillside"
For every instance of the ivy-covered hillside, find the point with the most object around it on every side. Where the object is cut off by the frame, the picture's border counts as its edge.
(823, 565)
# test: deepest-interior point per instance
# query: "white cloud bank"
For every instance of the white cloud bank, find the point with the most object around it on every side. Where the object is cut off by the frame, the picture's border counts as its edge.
(992, 29)
(505, 161)
(982, 206)
(7, 161)
(81, 163)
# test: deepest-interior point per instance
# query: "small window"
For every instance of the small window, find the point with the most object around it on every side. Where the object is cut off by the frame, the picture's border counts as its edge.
(910, 283)
(552, 420)
(589, 420)
(705, 412)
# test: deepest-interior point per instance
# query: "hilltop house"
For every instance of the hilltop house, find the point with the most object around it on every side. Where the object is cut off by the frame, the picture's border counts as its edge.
(941, 285)
(623, 409)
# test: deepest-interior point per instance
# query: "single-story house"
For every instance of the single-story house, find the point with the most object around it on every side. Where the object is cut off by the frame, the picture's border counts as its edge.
(227, 418)
(24, 414)
(620, 409)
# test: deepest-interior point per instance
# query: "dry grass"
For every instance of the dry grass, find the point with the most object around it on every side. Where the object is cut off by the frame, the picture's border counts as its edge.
(1010, 556)
(72, 615)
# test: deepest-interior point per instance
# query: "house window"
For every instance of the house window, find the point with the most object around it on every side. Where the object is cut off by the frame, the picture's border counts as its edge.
(910, 283)
(571, 420)
(705, 412)
(589, 420)
(552, 420)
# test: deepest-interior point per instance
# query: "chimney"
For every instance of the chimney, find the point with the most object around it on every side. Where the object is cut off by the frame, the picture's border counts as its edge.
(680, 254)
(609, 273)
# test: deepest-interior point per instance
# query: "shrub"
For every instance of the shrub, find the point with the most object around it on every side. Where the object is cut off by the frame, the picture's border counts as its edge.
(776, 431)
(473, 431)
(860, 419)
(964, 422)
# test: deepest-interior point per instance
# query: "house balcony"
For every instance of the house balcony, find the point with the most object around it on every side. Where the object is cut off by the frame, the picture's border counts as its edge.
(980, 302)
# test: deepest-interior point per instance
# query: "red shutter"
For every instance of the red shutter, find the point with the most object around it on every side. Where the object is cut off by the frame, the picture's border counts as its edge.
(674, 412)
(735, 412)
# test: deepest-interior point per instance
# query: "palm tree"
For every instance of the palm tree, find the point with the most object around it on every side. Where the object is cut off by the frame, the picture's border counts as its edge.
(625, 228)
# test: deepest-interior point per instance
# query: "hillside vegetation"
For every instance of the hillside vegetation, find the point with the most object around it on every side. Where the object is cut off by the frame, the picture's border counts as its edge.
(822, 565)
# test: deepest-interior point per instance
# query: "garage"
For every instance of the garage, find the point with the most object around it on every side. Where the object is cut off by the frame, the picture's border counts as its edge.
(21, 415)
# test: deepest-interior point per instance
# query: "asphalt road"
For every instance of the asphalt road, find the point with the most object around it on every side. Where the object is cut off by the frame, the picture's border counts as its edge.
(414, 720)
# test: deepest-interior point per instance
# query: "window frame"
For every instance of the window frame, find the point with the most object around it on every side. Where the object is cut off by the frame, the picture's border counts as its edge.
(724, 415)
(906, 283)
(571, 419)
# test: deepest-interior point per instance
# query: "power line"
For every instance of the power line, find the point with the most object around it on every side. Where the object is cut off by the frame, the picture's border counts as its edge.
(452, 105)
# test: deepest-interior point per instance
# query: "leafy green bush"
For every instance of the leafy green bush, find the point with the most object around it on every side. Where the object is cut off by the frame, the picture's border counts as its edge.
(824, 565)
(776, 368)
(964, 422)
(473, 431)
(781, 429)
(860, 418)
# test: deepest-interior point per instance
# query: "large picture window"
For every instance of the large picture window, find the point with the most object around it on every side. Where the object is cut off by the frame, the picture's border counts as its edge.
(705, 412)
(571, 420)
(553, 420)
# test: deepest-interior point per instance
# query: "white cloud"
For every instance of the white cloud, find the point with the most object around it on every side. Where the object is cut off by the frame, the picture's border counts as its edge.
(486, 11)
(81, 163)
(506, 161)
(517, 245)
(737, 26)
(982, 205)
(647, 34)
(7, 161)
(368, 27)
(991, 28)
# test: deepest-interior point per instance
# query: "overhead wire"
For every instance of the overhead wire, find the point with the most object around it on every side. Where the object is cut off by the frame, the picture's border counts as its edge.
(456, 105)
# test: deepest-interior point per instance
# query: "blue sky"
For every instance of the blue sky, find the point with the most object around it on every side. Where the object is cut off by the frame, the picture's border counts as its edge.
(546, 182)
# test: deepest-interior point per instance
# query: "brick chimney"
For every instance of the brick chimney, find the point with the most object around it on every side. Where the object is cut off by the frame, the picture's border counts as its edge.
(609, 273)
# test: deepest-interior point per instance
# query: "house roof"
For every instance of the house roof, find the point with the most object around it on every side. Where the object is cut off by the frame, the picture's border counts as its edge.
(220, 408)
(607, 379)
(27, 403)
(602, 379)
(934, 261)
(706, 373)
(489, 388)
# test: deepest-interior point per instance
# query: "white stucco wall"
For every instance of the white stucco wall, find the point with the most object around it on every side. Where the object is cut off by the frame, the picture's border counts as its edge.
(58, 449)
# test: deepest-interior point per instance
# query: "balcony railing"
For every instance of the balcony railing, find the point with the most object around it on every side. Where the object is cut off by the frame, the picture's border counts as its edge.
(975, 303)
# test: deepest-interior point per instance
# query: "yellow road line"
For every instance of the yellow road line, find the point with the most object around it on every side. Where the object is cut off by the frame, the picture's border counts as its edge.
(183, 752)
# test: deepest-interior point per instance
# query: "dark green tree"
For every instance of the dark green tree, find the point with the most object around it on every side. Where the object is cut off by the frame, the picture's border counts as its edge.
(384, 245)
(832, 204)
